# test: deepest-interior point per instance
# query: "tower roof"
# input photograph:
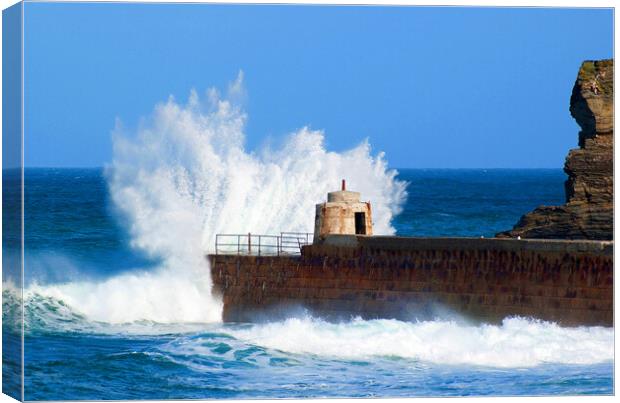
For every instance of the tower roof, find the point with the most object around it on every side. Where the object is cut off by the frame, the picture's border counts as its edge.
(343, 196)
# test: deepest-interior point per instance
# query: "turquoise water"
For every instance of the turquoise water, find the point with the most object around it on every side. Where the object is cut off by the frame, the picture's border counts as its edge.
(80, 346)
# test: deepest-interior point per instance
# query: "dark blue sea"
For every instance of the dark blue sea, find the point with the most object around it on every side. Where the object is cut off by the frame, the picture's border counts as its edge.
(100, 321)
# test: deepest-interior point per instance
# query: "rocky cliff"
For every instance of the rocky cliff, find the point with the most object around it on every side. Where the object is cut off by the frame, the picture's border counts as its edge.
(588, 212)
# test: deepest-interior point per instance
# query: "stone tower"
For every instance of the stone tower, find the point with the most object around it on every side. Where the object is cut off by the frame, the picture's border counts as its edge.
(343, 213)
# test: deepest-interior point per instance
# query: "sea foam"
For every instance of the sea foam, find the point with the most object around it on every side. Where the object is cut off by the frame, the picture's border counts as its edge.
(516, 342)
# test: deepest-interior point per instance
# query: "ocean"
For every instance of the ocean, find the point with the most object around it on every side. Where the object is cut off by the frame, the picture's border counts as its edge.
(99, 323)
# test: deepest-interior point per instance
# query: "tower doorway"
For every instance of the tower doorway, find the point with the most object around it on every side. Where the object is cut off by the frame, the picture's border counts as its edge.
(360, 223)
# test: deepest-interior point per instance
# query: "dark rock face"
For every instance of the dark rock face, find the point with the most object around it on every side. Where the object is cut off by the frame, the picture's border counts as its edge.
(588, 212)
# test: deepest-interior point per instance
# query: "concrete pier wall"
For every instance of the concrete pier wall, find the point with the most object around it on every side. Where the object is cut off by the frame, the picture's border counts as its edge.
(570, 282)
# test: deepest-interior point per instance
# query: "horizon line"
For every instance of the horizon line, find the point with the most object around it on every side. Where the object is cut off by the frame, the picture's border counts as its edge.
(396, 168)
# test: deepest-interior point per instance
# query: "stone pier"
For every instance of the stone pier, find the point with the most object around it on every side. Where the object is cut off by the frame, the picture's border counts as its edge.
(484, 280)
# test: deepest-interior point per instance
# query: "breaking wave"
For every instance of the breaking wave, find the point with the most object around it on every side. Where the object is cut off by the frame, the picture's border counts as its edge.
(516, 342)
(185, 175)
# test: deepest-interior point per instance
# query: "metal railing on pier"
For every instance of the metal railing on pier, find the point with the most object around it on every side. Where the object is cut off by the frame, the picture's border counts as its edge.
(287, 243)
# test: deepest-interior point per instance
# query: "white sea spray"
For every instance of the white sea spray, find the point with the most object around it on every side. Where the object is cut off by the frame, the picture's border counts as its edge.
(184, 175)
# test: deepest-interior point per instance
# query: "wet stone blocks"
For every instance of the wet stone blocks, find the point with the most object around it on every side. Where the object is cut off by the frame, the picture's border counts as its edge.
(569, 282)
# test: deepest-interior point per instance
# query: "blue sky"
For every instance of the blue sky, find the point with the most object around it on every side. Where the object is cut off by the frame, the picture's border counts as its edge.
(432, 87)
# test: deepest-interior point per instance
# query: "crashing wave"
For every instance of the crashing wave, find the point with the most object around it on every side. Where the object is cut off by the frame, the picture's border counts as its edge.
(184, 175)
